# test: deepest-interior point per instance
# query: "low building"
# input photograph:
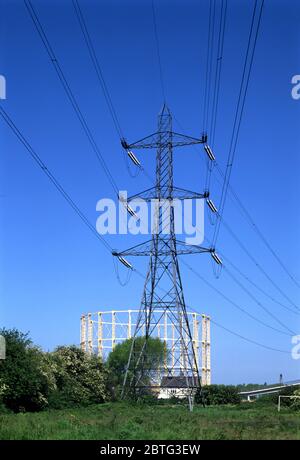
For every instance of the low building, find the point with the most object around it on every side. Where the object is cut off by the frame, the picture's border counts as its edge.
(176, 386)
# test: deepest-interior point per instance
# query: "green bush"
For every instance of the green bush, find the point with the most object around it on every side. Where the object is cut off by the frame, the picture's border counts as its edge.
(288, 402)
(24, 382)
(266, 400)
(221, 394)
(272, 399)
(31, 380)
(80, 379)
(288, 391)
(296, 401)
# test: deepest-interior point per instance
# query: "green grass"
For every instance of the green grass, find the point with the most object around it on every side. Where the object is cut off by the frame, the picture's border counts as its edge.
(162, 422)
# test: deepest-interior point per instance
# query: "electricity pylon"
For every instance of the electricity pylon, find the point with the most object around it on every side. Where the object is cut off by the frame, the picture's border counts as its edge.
(163, 297)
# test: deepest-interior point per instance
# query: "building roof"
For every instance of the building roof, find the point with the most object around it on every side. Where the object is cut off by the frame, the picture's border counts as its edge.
(178, 382)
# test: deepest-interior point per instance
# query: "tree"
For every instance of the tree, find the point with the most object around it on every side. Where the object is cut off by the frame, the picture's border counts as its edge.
(23, 377)
(80, 379)
(118, 359)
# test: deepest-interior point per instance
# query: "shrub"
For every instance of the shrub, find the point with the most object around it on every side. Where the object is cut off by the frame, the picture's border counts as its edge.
(296, 401)
(32, 380)
(293, 403)
(80, 379)
(24, 382)
(266, 400)
(221, 394)
(288, 391)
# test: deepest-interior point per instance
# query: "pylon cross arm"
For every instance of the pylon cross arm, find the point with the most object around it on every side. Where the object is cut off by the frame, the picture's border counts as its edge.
(147, 249)
(177, 193)
(155, 140)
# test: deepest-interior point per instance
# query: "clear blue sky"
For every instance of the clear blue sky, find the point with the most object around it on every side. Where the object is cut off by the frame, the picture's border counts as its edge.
(52, 268)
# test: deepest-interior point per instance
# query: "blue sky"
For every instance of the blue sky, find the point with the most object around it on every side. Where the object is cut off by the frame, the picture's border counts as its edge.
(52, 268)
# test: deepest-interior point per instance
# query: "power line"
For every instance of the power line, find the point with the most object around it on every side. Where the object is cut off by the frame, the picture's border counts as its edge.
(220, 50)
(211, 49)
(209, 56)
(257, 287)
(257, 301)
(97, 67)
(249, 219)
(69, 200)
(161, 75)
(252, 258)
(51, 177)
(252, 224)
(100, 73)
(247, 252)
(274, 317)
(69, 93)
(242, 337)
(61, 190)
(239, 112)
(164, 97)
(251, 295)
(231, 301)
(249, 340)
(256, 264)
(158, 51)
(99, 70)
(218, 69)
(104, 87)
(217, 79)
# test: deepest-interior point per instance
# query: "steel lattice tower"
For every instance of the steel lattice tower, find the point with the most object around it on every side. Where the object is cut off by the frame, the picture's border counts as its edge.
(163, 292)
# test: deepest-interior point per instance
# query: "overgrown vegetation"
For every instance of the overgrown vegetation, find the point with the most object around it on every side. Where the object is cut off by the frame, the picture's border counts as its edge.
(166, 422)
(67, 378)
(31, 380)
(272, 399)
(24, 379)
(78, 379)
(221, 394)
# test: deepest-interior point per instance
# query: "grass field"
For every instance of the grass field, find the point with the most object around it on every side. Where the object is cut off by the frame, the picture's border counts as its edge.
(121, 421)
